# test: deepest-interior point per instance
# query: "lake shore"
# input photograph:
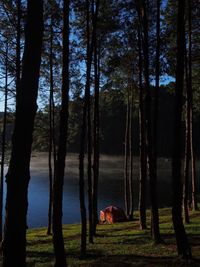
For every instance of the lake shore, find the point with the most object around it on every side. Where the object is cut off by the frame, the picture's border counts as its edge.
(111, 186)
(120, 244)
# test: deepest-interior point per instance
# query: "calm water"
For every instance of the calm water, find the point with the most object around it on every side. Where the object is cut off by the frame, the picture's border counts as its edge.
(110, 187)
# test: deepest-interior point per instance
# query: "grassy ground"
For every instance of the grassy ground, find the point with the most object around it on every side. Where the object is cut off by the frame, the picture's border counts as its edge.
(120, 244)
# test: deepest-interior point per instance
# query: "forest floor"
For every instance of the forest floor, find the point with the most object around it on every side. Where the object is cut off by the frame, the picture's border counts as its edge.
(120, 244)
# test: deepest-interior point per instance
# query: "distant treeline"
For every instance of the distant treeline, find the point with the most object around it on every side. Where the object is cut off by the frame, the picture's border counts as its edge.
(112, 125)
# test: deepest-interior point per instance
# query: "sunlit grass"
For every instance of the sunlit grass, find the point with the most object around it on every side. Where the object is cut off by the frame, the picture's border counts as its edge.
(120, 244)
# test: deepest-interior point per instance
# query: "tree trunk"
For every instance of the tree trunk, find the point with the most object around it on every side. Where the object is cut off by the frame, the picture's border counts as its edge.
(126, 159)
(89, 136)
(18, 46)
(183, 246)
(86, 121)
(131, 155)
(190, 99)
(82, 184)
(96, 131)
(143, 155)
(50, 132)
(187, 146)
(157, 88)
(58, 242)
(186, 178)
(3, 145)
(91, 35)
(150, 143)
(17, 179)
(89, 171)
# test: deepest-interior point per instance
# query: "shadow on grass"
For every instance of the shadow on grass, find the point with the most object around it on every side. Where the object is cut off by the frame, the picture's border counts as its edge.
(137, 240)
(41, 256)
(194, 239)
(38, 242)
(137, 260)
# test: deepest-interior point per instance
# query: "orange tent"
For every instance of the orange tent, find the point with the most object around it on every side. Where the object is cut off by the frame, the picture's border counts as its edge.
(112, 214)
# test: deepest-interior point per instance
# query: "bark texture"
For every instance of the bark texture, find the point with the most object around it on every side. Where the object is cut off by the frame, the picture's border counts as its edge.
(17, 179)
(51, 132)
(143, 154)
(3, 142)
(96, 128)
(58, 241)
(183, 246)
(149, 125)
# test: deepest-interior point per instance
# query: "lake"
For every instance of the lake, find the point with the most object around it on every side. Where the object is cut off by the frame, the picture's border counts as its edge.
(111, 186)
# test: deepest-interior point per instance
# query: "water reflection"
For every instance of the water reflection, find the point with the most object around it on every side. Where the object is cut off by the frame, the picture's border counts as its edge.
(110, 187)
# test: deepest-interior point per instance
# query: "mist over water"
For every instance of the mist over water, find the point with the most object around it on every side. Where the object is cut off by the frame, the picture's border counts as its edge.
(111, 187)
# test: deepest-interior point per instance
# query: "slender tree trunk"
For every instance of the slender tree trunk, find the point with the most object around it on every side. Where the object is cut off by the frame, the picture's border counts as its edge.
(49, 228)
(87, 108)
(18, 46)
(82, 184)
(143, 155)
(153, 181)
(85, 121)
(53, 131)
(194, 198)
(183, 246)
(186, 178)
(53, 134)
(58, 241)
(150, 143)
(50, 132)
(89, 171)
(17, 179)
(3, 144)
(96, 131)
(187, 146)
(193, 164)
(131, 155)
(190, 94)
(157, 88)
(89, 135)
(126, 159)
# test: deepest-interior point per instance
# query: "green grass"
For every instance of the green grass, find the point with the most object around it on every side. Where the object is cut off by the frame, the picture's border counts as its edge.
(120, 244)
